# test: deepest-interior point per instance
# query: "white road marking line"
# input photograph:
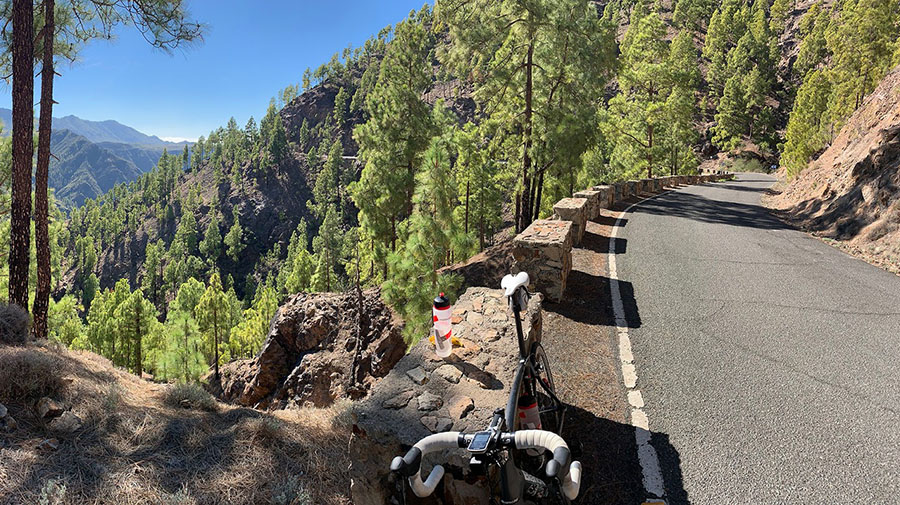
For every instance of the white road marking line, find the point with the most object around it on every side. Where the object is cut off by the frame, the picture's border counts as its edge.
(652, 479)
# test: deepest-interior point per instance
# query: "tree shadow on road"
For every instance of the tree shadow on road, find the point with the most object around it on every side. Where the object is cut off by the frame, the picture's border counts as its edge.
(700, 208)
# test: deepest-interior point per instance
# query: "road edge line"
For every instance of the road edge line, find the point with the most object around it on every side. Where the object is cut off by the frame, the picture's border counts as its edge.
(651, 472)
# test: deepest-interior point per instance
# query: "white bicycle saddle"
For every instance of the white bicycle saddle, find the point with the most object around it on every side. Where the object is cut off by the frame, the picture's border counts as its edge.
(511, 283)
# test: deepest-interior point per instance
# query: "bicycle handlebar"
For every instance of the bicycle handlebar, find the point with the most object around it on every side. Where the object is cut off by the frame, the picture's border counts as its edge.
(561, 467)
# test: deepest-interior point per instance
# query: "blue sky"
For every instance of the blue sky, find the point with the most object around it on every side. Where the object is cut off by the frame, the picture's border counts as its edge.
(252, 49)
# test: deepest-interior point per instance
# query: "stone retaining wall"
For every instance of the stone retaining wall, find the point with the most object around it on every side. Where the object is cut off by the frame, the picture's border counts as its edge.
(576, 211)
(424, 394)
(592, 209)
(544, 250)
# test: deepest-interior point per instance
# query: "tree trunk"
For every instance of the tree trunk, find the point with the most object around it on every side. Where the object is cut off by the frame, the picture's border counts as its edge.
(466, 226)
(41, 205)
(216, 341)
(525, 214)
(411, 186)
(138, 366)
(650, 151)
(22, 150)
(537, 198)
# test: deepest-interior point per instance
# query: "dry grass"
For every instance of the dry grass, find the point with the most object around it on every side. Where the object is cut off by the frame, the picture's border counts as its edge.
(13, 324)
(27, 374)
(134, 448)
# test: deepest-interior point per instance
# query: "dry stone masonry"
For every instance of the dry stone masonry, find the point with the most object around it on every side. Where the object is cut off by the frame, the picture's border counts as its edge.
(425, 394)
(592, 209)
(574, 210)
(607, 196)
(544, 250)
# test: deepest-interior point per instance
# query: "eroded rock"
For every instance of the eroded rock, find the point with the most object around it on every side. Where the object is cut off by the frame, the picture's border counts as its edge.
(314, 352)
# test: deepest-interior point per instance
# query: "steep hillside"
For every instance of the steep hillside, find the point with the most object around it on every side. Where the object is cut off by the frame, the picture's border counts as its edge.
(84, 169)
(851, 193)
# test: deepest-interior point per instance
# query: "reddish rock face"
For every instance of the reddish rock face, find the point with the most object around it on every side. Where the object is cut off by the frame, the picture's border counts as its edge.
(313, 355)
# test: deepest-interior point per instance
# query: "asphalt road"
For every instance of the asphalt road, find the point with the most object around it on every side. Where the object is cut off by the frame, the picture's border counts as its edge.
(769, 361)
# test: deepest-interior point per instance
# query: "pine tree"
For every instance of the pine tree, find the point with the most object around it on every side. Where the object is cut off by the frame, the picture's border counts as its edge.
(152, 282)
(528, 61)
(278, 147)
(234, 241)
(182, 356)
(213, 316)
(807, 130)
(778, 14)
(414, 279)
(731, 120)
(327, 246)
(135, 320)
(211, 246)
(398, 129)
(639, 109)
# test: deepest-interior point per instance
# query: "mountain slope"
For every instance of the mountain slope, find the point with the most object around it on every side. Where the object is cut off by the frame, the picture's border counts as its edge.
(851, 193)
(83, 169)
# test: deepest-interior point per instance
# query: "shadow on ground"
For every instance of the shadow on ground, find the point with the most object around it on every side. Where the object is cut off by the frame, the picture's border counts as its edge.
(700, 208)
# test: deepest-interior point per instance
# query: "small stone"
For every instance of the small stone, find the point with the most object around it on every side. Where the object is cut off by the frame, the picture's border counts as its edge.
(477, 303)
(50, 444)
(437, 424)
(47, 408)
(417, 375)
(10, 424)
(456, 319)
(66, 423)
(449, 373)
(429, 401)
(460, 405)
(475, 318)
(3, 411)
(399, 401)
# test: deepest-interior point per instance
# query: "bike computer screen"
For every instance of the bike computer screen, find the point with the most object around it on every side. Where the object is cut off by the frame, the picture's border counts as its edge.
(480, 441)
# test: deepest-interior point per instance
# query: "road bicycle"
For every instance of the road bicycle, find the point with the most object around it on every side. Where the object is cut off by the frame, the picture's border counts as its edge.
(524, 466)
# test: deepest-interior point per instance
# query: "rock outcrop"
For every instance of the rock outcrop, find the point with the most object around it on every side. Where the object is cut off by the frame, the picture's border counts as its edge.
(851, 193)
(316, 353)
(425, 394)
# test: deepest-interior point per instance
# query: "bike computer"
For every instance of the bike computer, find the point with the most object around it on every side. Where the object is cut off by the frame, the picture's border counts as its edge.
(480, 441)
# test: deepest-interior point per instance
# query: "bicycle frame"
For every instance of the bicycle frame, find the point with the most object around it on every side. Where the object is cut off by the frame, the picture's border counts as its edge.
(526, 364)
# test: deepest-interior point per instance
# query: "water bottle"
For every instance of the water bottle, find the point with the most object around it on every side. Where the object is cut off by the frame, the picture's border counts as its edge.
(529, 415)
(441, 312)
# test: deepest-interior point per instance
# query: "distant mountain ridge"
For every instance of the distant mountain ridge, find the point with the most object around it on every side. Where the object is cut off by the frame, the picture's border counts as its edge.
(97, 131)
(90, 157)
(88, 169)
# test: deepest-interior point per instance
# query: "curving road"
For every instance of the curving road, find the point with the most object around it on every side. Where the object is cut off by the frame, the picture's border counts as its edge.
(768, 360)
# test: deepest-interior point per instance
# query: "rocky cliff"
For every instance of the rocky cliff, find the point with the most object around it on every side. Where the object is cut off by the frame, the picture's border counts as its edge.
(851, 193)
(320, 347)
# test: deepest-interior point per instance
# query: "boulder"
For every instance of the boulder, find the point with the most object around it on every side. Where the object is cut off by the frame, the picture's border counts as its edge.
(485, 357)
(315, 353)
